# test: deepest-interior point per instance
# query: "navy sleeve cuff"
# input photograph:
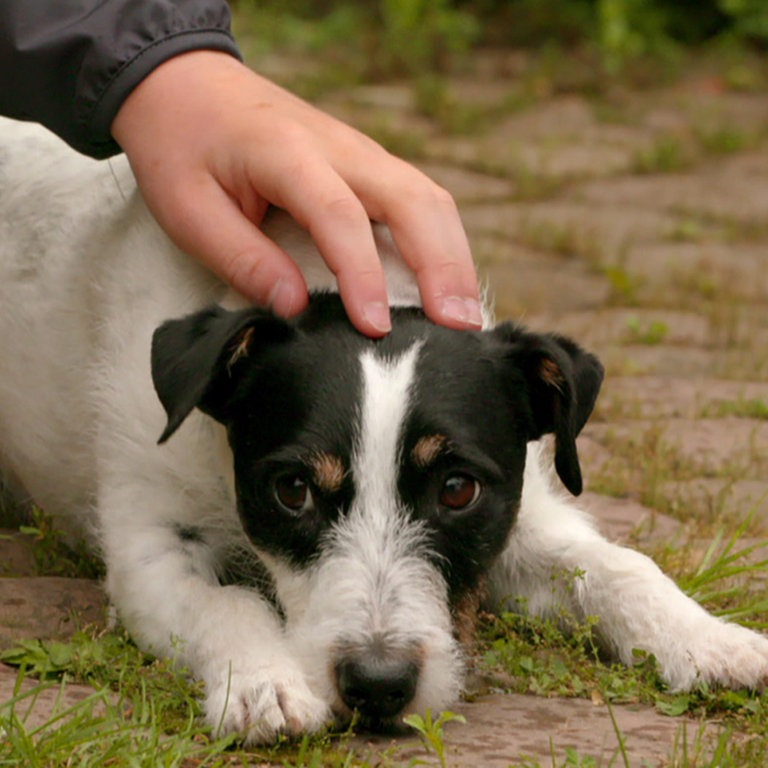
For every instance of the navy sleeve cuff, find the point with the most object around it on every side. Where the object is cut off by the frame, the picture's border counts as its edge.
(101, 143)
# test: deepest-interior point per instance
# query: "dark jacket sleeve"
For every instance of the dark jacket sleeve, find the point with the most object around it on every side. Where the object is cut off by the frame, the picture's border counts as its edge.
(69, 64)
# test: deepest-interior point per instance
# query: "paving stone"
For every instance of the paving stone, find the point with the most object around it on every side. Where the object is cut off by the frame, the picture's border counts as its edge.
(717, 443)
(739, 445)
(467, 186)
(47, 607)
(604, 229)
(603, 326)
(715, 495)
(531, 288)
(625, 520)
(643, 397)
(557, 138)
(503, 730)
(736, 189)
(663, 360)
(699, 269)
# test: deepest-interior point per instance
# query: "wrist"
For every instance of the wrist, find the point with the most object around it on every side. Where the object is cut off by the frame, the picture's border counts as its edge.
(175, 83)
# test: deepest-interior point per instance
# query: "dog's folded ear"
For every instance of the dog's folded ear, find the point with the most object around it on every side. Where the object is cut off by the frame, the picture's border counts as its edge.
(196, 359)
(563, 382)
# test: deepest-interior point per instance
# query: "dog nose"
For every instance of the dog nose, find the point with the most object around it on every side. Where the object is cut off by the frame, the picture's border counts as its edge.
(378, 688)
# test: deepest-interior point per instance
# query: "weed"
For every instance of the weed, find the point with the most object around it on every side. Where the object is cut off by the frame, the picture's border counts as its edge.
(432, 733)
(694, 285)
(54, 555)
(741, 408)
(651, 333)
(408, 144)
(667, 154)
(643, 466)
(723, 141)
(688, 229)
(435, 99)
(724, 227)
(530, 185)
(569, 240)
(625, 286)
(435, 32)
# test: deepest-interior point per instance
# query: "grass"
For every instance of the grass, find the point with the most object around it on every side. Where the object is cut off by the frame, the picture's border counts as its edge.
(650, 333)
(647, 465)
(742, 408)
(54, 555)
(569, 240)
(698, 225)
(666, 154)
(142, 712)
(539, 658)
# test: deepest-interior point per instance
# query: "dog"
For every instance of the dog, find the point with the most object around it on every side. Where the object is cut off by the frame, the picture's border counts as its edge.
(322, 510)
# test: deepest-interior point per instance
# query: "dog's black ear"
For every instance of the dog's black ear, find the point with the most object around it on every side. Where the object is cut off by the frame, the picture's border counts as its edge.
(195, 359)
(563, 383)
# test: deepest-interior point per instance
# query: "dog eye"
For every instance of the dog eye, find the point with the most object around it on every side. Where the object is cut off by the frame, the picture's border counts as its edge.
(293, 494)
(459, 492)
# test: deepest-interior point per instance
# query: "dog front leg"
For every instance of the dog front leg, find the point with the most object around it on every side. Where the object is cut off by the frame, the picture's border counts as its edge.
(166, 591)
(557, 561)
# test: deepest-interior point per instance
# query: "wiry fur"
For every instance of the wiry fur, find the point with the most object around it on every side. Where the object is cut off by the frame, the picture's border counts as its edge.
(86, 277)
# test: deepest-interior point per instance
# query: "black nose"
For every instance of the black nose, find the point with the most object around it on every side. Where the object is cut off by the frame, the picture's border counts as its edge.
(378, 688)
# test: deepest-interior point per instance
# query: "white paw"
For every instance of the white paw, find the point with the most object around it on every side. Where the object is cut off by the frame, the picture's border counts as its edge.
(720, 653)
(262, 704)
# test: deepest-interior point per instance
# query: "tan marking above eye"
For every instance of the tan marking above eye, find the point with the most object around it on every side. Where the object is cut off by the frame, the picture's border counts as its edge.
(427, 449)
(327, 471)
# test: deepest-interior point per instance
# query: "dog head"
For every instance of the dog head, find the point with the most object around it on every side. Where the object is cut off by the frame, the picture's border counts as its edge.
(377, 480)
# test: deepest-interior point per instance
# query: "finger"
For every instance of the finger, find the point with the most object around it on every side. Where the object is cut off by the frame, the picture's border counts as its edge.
(320, 201)
(207, 224)
(427, 228)
(422, 216)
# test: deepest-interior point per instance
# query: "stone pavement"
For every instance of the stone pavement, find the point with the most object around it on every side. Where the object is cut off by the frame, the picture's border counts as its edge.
(638, 224)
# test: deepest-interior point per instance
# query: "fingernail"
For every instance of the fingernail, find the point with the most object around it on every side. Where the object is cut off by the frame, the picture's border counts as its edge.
(377, 314)
(474, 312)
(464, 311)
(282, 298)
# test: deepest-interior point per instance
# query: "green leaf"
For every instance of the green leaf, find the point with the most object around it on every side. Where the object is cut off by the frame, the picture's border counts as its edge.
(674, 708)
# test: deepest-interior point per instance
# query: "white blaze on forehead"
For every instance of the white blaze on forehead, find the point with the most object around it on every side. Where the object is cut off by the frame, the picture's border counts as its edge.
(373, 583)
(385, 404)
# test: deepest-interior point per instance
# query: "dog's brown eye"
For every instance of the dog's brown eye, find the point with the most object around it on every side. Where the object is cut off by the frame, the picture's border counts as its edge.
(293, 494)
(459, 492)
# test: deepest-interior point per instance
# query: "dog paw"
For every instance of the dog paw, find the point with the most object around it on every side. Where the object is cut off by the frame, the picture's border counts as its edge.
(720, 654)
(261, 705)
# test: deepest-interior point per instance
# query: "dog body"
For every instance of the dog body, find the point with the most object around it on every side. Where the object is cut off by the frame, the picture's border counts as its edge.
(322, 508)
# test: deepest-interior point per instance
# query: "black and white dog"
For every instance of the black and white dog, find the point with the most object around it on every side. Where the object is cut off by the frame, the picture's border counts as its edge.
(322, 508)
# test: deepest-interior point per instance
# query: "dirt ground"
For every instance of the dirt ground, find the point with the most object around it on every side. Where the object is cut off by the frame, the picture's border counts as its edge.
(639, 226)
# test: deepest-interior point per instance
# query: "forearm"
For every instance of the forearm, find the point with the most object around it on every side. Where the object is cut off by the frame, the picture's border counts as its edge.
(69, 65)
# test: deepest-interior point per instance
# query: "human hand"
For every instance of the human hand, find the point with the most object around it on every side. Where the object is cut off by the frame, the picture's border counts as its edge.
(212, 144)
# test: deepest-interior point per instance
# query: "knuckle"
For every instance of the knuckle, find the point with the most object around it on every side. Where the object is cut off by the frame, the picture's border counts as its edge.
(344, 208)
(422, 190)
(245, 267)
(444, 198)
